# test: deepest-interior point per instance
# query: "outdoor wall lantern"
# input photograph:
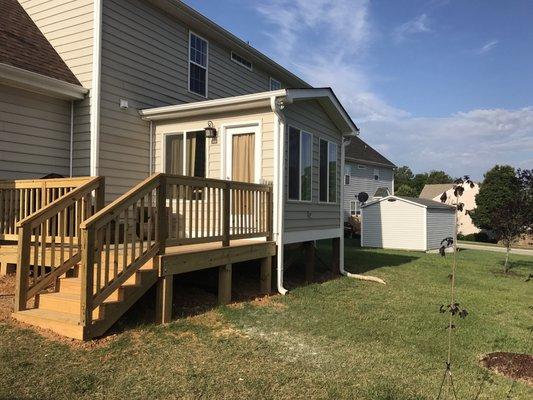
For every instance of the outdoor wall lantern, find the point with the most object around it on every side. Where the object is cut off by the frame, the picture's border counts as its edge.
(210, 131)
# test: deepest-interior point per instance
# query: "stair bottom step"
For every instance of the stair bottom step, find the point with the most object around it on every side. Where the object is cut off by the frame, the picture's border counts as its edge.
(61, 323)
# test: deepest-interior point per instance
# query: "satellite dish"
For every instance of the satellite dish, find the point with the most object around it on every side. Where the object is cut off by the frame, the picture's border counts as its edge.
(362, 197)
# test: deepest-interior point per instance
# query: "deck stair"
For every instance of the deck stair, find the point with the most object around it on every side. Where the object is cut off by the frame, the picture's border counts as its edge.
(81, 265)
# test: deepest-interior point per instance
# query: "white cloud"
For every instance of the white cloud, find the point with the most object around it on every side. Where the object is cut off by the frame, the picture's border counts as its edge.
(487, 47)
(420, 24)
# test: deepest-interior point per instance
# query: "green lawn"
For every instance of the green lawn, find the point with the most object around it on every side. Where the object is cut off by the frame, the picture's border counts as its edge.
(339, 339)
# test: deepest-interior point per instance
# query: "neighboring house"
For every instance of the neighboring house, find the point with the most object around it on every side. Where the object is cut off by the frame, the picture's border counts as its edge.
(367, 171)
(465, 224)
(408, 223)
(171, 92)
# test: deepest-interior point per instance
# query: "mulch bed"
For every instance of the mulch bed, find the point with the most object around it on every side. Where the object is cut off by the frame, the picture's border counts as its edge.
(512, 365)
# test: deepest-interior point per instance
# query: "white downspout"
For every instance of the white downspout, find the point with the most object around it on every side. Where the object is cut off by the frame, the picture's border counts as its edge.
(345, 142)
(279, 161)
(95, 89)
(71, 158)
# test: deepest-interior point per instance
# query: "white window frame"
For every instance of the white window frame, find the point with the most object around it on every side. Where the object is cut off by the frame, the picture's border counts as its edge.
(272, 80)
(249, 68)
(189, 62)
(184, 133)
(356, 209)
(337, 194)
(299, 199)
(376, 173)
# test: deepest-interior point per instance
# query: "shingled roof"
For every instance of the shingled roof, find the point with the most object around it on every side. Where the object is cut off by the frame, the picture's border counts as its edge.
(22, 45)
(359, 151)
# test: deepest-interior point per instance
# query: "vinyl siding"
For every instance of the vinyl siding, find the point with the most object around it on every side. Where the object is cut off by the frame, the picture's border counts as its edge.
(68, 26)
(145, 60)
(394, 225)
(34, 134)
(362, 180)
(440, 225)
(304, 216)
(214, 150)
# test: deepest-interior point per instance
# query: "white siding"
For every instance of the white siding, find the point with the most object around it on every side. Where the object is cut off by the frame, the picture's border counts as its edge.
(362, 180)
(440, 225)
(304, 216)
(34, 134)
(394, 225)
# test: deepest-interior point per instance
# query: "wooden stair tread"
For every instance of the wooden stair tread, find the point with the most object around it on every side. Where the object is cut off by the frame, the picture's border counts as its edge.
(52, 315)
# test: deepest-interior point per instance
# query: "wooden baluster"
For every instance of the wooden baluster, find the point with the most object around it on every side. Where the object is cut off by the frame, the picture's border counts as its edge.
(134, 233)
(52, 225)
(62, 235)
(87, 275)
(116, 247)
(178, 207)
(70, 224)
(98, 259)
(171, 209)
(125, 245)
(107, 251)
(197, 205)
(161, 228)
(44, 234)
(150, 218)
(141, 227)
(226, 208)
(208, 210)
(190, 194)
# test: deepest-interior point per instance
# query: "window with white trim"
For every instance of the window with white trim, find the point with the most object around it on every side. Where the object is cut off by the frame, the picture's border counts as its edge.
(300, 148)
(198, 59)
(241, 61)
(274, 84)
(185, 154)
(376, 174)
(328, 171)
(355, 208)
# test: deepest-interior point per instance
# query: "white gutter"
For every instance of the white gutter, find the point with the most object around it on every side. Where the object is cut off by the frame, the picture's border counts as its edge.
(71, 137)
(279, 161)
(95, 89)
(34, 82)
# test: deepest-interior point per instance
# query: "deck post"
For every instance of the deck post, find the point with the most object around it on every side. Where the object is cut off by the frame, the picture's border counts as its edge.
(23, 268)
(335, 255)
(162, 228)
(164, 299)
(309, 248)
(226, 210)
(224, 284)
(88, 249)
(266, 275)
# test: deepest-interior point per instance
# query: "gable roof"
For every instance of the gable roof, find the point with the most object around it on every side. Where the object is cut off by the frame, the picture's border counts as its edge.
(431, 191)
(359, 151)
(324, 96)
(416, 201)
(23, 45)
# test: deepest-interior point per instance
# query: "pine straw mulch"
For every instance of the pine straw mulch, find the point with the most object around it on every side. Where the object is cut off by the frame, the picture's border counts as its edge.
(512, 365)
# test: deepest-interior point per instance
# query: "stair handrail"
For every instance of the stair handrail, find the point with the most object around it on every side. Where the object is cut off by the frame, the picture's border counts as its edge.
(50, 228)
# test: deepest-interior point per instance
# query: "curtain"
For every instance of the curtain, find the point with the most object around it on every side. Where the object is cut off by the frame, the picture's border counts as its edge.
(243, 163)
(174, 159)
(191, 154)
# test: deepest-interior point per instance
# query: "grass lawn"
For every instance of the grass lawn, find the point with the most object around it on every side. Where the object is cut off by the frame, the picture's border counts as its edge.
(338, 339)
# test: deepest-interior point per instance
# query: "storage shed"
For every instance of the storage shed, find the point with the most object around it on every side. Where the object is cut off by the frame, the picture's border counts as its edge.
(409, 223)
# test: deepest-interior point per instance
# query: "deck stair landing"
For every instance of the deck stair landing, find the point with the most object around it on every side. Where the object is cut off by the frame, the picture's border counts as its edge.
(81, 266)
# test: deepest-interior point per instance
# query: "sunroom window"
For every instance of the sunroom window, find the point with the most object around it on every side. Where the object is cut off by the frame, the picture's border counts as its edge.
(188, 159)
(328, 171)
(300, 146)
(198, 55)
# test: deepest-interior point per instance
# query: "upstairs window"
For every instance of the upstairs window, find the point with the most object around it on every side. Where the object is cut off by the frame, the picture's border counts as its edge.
(300, 146)
(347, 174)
(198, 55)
(274, 84)
(376, 174)
(241, 61)
(328, 172)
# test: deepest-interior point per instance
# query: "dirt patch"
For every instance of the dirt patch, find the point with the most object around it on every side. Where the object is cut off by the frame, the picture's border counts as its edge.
(7, 296)
(512, 365)
(268, 301)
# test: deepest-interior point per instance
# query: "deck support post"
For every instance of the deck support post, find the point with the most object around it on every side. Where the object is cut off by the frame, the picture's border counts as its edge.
(224, 284)
(309, 248)
(335, 255)
(266, 275)
(164, 299)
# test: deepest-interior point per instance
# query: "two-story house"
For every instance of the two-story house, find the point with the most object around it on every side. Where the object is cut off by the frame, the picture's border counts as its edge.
(365, 170)
(154, 87)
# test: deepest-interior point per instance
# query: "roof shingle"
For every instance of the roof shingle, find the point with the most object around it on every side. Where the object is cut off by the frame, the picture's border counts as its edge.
(358, 150)
(22, 45)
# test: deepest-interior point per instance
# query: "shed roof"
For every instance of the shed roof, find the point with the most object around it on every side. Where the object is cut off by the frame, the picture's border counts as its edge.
(416, 201)
(25, 47)
(360, 151)
(434, 190)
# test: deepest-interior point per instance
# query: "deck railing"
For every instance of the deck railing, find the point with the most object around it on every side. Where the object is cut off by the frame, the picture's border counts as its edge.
(21, 198)
(48, 240)
(163, 211)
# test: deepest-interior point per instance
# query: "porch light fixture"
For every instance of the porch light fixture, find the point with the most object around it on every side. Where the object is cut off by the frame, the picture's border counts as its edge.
(210, 131)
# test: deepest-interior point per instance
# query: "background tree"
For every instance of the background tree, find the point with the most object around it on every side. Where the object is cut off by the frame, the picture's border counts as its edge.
(435, 176)
(505, 205)
(418, 183)
(403, 176)
(406, 190)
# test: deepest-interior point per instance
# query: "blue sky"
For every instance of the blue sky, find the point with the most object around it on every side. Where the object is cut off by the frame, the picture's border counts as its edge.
(433, 84)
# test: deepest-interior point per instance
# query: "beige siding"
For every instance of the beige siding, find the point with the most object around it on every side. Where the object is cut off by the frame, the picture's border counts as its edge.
(68, 26)
(34, 134)
(144, 60)
(264, 117)
(440, 225)
(394, 225)
(310, 117)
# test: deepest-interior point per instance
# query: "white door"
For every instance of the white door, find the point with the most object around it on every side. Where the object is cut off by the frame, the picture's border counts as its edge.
(243, 154)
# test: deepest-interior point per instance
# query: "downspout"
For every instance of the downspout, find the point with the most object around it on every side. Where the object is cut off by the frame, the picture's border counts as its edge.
(151, 167)
(279, 161)
(345, 142)
(71, 158)
(95, 89)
